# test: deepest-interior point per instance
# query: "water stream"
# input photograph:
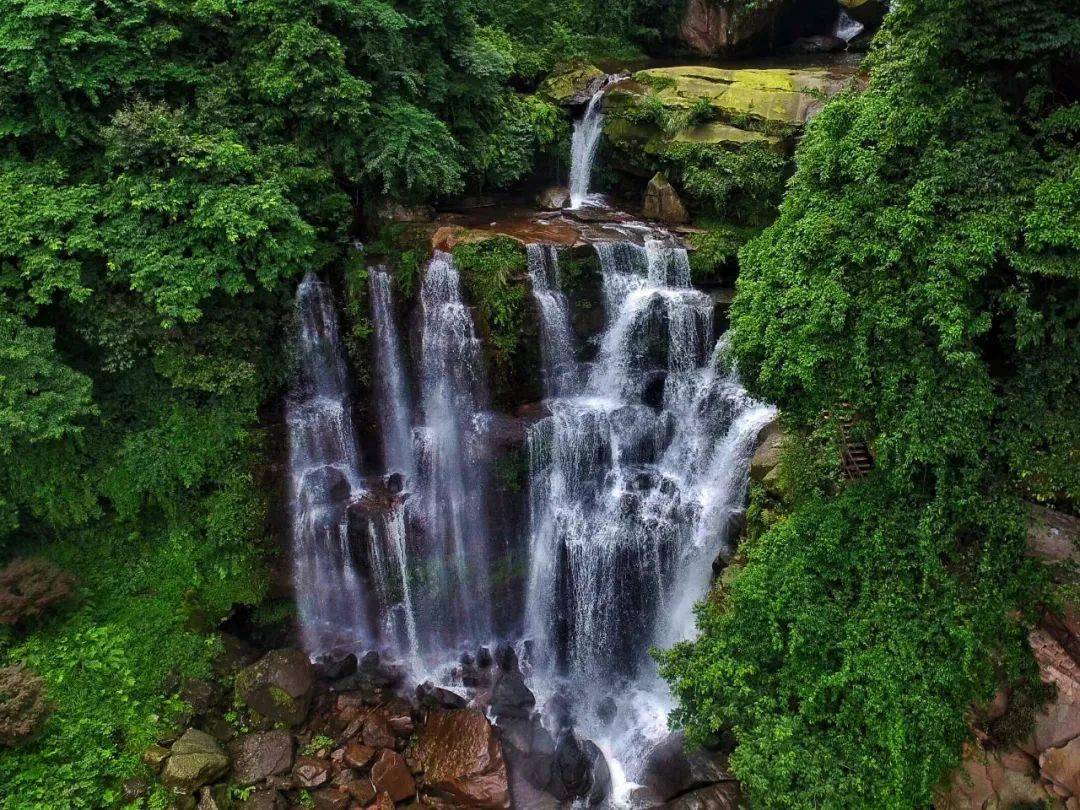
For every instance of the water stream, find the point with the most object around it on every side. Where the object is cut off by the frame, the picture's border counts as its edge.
(583, 144)
(637, 474)
(635, 480)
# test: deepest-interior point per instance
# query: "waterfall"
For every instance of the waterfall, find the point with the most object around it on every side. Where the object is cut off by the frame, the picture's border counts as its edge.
(453, 481)
(394, 405)
(846, 28)
(635, 480)
(583, 145)
(324, 479)
(561, 372)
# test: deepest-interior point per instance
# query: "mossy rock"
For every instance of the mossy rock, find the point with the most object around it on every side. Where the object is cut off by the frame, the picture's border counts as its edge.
(568, 83)
(721, 134)
(779, 95)
(278, 686)
(196, 760)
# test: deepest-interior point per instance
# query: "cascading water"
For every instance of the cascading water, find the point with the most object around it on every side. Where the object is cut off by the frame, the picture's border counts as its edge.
(583, 145)
(324, 480)
(394, 405)
(561, 370)
(634, 479)
(453, 481)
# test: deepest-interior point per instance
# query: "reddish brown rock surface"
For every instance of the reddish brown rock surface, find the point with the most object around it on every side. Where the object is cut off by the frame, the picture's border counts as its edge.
(391, 775)
(462, 761)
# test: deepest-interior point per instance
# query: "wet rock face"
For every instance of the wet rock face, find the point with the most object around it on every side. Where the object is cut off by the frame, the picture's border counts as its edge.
(722, 796)
(462, 761)
(391, 775)
(278, 686)
(671, 769)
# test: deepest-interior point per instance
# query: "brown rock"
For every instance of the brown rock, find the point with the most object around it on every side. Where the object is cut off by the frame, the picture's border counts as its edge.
(311, 772)
(1059, 721)
(383, 802)
(722, 796)
(330, 799)
(462, 760)
(358, 755)
(377, 732)
(662, 202)
(263, 800)
(1062, 766)
(257, 756)
(709, 27)
(361, 790)
(391, 775)
(402, 726)
(992, 782)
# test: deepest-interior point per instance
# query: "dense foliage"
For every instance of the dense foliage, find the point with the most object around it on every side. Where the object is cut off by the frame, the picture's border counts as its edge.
(923, 279)
(168, 169)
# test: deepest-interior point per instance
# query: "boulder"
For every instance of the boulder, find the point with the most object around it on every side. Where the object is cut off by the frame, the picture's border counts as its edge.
(554, 198)
(311, 772)
(1052, 536)
(267, 799)
(330, 799)
(721, 796)
(382, 802)
(391, 775)
(1061, 766)
(714, 27)
(511, 697)
(992, 781)
(334, 667)
(215, 798)
(377, 732)
(356, 755)
(767, 454)
(579, 770)
(1059, 721)
(461, 759)
(257, 756)
(671, 770)
(361, 790)
(433, 695)
(196, 759)
(572, 83)
(781, 95)
(662, 202)
(278, 686)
